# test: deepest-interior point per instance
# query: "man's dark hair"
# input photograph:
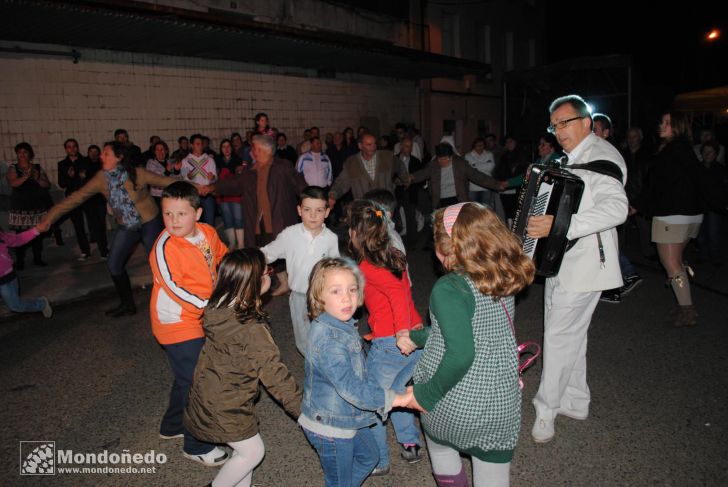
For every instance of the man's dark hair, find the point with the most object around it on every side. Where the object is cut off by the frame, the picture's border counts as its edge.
(153, 137)
(400, 125)
(314, 193)
(443, 150)
(118, 132)
(179, 141)
(604, 119)
(315, 137)
(70, 140)
(382, 197)
(195, 137)
(182, 190)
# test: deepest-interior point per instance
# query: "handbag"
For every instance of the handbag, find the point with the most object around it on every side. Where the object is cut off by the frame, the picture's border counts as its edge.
(529, 347)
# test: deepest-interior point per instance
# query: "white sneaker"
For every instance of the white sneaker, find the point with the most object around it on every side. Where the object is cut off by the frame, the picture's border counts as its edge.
(213, 458)
(82, 257)
(570, 413)
(543, 430)
(171, 437)
(47, 310)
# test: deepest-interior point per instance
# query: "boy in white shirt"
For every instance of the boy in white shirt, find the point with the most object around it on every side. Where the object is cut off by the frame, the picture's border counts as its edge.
(199, 168)
(303, 245)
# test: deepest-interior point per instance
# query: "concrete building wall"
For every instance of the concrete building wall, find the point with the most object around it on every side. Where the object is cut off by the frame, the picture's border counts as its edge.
(44, 100)
(314, 15)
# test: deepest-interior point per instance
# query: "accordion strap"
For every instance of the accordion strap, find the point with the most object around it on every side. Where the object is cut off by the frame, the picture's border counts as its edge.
(601, 166)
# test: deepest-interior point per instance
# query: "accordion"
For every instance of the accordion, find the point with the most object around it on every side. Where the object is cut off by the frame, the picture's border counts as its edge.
(549, 190)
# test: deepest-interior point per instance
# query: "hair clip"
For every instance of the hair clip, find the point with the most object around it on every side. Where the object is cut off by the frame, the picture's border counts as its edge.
(378, 213)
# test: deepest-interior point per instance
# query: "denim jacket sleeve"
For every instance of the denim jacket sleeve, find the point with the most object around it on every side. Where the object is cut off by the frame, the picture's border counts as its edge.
(361, 392)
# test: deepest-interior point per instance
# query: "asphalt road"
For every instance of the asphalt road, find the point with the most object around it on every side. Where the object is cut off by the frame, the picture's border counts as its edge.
(658, 414)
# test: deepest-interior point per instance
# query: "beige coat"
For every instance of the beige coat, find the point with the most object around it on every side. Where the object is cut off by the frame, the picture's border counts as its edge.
(139, 194)
(354, 175)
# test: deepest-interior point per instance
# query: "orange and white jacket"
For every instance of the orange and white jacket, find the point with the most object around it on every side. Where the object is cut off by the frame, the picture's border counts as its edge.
(183, 283)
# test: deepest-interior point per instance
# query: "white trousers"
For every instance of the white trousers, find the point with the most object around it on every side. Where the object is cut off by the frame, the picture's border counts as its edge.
(299, 319)
(567, 316)
(238, 470)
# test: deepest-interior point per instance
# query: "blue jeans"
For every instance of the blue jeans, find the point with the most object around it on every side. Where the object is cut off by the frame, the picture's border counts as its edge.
(208, 210)
(183, 359)
(9, 293)
(125, 239)
(346, 462)
(626, 266)
(483, 196)
(392, 370)
(232, 214)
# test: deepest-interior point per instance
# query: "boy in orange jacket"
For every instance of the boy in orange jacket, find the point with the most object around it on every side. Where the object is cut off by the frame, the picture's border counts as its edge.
(184, 264)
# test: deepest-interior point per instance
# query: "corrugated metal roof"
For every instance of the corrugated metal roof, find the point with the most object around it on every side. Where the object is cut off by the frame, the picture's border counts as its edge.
(153, 30)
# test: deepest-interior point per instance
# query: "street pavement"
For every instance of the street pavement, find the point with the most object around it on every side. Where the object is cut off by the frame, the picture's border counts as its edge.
(90, 383)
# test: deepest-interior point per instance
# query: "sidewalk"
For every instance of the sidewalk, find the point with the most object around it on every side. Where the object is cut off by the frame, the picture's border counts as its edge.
(65, 279)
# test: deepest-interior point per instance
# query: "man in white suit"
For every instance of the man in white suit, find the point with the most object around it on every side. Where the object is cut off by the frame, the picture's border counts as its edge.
(589, 267)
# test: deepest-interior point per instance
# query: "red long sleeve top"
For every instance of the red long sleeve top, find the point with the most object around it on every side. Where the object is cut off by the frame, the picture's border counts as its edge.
(388, 300)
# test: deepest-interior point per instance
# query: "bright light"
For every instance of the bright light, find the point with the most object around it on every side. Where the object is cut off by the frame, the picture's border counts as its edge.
(590, 108)
(713, 35)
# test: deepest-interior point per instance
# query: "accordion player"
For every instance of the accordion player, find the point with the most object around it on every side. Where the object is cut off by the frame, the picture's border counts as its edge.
(549, 190)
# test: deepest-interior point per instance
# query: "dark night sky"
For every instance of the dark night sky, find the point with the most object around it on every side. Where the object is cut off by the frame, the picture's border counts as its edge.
(667, 44)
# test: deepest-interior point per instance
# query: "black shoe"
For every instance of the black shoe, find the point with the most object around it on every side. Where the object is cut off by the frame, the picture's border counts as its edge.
(40, 263)
(114, 310)
(19, 265)
(612, 296)
(379, 472)
(124, 310)
(411, 453)
(630, 284)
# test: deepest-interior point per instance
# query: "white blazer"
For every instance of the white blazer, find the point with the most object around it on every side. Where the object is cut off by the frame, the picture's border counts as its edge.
(603, 207)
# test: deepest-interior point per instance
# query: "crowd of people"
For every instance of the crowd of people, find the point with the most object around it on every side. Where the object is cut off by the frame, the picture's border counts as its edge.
(207, 310)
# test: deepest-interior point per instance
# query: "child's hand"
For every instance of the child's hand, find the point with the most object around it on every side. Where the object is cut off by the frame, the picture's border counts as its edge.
(43, 226)
(405, 344)
(402, 400)
(210, 176)
(413, 404)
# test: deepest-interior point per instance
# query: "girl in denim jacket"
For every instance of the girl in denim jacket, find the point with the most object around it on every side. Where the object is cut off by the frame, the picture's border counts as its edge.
(339, 398)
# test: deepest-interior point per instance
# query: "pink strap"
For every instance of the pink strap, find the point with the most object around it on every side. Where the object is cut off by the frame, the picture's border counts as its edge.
(526, 347)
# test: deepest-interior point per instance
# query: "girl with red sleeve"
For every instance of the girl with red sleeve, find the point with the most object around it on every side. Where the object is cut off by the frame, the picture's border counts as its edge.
(388, 299)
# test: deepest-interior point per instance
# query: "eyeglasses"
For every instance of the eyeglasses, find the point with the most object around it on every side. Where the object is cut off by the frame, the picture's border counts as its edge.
(268, 270)
(560, 125)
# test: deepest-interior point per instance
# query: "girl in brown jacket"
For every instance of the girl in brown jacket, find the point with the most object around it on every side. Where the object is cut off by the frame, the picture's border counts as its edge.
(238, 354)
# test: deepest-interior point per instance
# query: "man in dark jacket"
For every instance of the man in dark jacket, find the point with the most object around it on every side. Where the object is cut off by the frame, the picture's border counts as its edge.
(449, 176)
(412, 198)
(71, 176)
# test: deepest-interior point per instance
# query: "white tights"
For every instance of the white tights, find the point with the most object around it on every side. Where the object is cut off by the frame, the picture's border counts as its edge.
(446, 461)
(238, 470)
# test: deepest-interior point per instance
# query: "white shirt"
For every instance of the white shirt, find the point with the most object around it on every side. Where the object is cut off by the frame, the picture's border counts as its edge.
(484, 162)
(302, 251)
(603, 206)
(316, 168)
(207, 163)
(447, 182)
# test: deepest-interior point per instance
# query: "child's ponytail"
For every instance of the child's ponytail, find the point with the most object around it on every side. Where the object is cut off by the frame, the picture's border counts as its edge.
(369, 238)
